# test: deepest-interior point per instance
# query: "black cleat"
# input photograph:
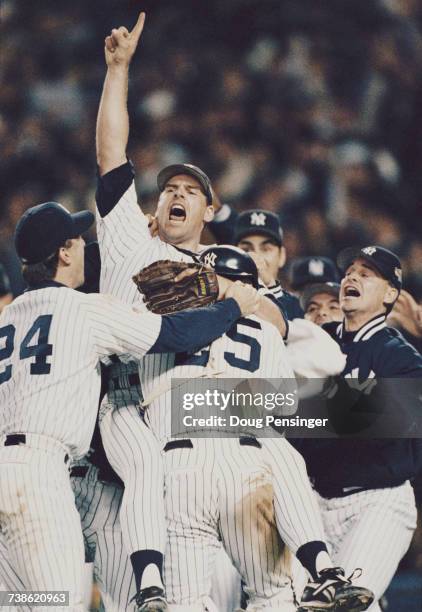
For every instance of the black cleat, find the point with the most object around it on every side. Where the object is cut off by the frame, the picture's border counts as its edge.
(333, 591)
(152, 599)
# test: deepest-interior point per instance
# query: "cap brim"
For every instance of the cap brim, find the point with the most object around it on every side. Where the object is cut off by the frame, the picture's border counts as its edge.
(82, 221)
(316, 288)
(261, 232)
(347, 256)
(167, 173)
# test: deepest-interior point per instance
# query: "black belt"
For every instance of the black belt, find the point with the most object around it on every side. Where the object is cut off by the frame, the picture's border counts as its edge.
(330, 491)
(79, 471)
(186, 443)
(16, 439)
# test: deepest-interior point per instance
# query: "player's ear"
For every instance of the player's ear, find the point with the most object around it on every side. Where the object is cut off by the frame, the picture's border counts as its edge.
(282, 257)
(64, 255)
(209, 214)
(391, 295)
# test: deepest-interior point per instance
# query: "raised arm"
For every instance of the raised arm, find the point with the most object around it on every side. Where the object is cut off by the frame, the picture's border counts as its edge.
(113, 120)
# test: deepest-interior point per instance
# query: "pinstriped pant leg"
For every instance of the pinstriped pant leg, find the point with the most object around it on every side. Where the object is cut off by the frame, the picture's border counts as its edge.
(113, 568)
(9, 580)
(248, 526)
(99, 507)
(192, 523)
(371, 530)
(297, 512)
(135, 455)
(40, 522)
(226, 585)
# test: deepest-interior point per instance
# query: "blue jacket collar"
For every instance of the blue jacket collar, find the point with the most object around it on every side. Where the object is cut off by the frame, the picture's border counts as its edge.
(365, 332)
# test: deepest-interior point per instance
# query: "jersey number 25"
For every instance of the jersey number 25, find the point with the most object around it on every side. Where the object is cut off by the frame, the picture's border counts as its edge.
(250, 364)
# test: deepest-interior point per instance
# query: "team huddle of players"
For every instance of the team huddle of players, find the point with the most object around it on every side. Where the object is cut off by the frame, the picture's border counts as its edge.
(176, 523)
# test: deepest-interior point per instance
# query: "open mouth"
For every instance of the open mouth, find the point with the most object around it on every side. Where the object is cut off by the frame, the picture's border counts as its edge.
(177, 213)
(351, 292)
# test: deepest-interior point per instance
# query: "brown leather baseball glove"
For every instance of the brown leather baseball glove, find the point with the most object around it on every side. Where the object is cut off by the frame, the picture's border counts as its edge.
(169, 286)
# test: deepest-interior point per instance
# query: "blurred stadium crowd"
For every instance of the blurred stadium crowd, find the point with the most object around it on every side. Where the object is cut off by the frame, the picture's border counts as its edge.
(311, 109)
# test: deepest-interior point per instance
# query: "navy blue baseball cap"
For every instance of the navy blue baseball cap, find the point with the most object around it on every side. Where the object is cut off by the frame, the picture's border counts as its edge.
(316, 288)
(386, 262)
(307, 270)
(43, 229)
(258, 221)
(169, 171)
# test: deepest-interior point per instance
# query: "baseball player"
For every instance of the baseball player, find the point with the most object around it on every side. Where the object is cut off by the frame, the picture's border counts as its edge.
(52, 340)
(98, 493)
(242, 491)
(364, 491)
(259, 233)
(127, 247)
(320, 303)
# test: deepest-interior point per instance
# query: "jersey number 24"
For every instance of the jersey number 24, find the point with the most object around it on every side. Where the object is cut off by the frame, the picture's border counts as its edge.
(40, 351)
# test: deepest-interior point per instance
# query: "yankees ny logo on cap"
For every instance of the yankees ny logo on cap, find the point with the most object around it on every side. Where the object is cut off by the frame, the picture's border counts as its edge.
(258, 222)
(369, 250)
(316, 267)
(258, 218)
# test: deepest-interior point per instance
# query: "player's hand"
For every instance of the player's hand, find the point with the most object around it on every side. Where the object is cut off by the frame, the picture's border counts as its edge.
(263, 269)
(246, 296)
(121, 44)
(407, 314)
(152, 225)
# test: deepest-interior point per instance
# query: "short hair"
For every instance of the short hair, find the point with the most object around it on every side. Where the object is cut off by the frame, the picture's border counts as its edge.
(46, 270)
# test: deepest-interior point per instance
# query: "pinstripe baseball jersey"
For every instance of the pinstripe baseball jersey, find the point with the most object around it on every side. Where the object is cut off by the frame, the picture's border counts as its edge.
(237, 354)
(51, 341)
(126, 247)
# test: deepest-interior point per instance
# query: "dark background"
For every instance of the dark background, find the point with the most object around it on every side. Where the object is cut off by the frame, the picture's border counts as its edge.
(309, 108)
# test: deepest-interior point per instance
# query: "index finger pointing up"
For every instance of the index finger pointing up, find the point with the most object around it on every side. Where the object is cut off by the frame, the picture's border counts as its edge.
(138, 27)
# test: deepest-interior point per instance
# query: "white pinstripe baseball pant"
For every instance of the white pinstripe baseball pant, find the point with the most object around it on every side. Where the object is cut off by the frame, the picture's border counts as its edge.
(134, 454)
(39, 520)
(220, 489)
(9, 580)
(371, 530)
(99, 506)
(226, 583)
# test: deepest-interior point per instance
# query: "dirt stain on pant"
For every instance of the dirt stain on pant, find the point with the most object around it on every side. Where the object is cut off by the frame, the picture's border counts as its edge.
(270, 562)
